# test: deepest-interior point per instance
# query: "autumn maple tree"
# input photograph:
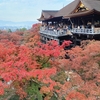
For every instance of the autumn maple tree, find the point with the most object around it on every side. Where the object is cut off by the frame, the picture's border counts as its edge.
(24, 68)
(31, 70)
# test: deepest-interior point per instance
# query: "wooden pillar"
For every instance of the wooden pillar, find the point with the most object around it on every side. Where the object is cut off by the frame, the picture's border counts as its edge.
(93, 27)
(78, 22)
(73, 24)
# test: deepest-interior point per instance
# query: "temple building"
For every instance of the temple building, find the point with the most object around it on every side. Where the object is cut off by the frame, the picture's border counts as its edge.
(47, 14)
(77, 21)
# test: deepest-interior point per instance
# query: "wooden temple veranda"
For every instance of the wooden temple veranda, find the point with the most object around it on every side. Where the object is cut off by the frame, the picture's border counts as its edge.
(77, 21)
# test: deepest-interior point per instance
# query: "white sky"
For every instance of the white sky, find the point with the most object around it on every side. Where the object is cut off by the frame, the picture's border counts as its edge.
(28, 10)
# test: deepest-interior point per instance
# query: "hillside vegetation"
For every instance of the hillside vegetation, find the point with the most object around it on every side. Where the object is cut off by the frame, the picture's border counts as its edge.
(30, 70)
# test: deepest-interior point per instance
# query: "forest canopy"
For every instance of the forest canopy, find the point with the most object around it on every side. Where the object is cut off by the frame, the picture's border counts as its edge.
(31, 70)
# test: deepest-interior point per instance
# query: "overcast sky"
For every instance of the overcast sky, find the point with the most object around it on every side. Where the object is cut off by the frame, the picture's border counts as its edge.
(28, 10)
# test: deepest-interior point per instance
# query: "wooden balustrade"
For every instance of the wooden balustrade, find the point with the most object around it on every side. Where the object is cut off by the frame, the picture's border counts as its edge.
(85, 31)
(53, 32)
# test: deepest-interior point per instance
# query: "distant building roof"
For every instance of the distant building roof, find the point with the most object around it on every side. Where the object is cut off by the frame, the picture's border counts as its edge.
(47, 14)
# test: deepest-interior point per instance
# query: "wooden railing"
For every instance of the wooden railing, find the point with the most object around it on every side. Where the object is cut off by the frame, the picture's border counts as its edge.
(97, 30)
(62, 32)
(53, 32)
(85, 31)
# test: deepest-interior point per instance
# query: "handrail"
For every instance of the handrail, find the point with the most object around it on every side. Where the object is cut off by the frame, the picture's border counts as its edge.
(53, 32)
(62, 32)
(84, 31)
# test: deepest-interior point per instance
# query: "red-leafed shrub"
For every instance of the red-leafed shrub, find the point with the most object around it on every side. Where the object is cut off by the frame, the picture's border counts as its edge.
(32, 70)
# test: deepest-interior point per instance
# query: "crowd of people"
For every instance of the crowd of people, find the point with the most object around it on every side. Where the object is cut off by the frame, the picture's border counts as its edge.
(58, 28)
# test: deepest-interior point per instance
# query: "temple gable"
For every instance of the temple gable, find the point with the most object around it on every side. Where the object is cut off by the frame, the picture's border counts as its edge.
(80, 8)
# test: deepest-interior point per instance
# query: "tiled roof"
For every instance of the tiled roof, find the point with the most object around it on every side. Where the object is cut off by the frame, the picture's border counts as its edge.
(47, 14)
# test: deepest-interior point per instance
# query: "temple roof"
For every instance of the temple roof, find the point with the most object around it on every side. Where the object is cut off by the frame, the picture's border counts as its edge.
(73, 9)
(47, 14)
(67, 9)
(91, 5)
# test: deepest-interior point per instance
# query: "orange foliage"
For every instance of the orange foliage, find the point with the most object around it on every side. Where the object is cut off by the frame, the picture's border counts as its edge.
(74, 95)
(25, 60)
